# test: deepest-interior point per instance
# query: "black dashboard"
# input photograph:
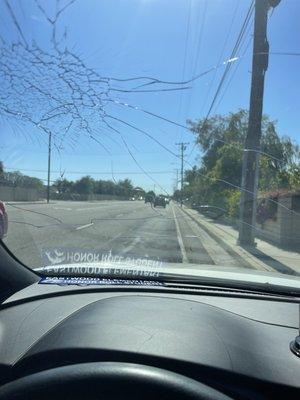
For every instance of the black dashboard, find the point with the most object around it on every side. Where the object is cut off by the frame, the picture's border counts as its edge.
(238, 347)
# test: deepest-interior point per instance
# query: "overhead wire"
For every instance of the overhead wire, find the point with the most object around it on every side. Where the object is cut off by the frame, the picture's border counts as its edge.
(197, 55)
(232, 55)
(221, 55)
(231, 78)
(89, 172)
(228, 66)
(187, 34)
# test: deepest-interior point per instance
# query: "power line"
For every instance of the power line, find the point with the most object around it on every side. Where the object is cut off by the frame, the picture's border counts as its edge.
(232, 55)
(196, 59)
(90, 172)
(188, 24)
(228, 65)
(35, 151)
(236, 68)
(200, 37)
(221, 55)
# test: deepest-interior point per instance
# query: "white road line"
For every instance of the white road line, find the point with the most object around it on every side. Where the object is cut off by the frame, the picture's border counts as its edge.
(179, 237)
(84, 226)
(62, 208)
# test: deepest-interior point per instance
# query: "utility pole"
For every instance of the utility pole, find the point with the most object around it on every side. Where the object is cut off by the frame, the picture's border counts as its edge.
(176, 179)
(182, 149)
(252, 144)
(49, 166)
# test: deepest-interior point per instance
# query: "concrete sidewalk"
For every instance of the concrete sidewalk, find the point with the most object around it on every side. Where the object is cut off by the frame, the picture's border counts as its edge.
(265, 256)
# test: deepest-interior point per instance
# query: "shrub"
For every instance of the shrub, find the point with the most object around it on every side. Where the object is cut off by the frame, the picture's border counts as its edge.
(233, 202)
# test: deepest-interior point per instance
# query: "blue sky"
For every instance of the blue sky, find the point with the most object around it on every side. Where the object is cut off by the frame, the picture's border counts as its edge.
(167, 39)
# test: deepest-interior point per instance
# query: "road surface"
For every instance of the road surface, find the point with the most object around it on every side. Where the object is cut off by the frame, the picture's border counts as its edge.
(121, 228)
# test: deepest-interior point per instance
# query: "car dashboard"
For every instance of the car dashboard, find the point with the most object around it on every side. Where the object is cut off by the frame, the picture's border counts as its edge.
(236, 346)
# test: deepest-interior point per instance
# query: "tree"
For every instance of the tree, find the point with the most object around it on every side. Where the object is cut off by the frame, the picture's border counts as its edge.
(32, 182)
(150, 193)
(124, 188)
(17, 179)
(177, 195)
(64, 186)
(216, 181)
(108, 187)
(85, 185)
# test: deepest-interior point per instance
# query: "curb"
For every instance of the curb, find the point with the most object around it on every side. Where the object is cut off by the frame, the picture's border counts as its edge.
(246, 259)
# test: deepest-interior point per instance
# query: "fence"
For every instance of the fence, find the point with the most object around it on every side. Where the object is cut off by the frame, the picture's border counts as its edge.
(85, 197)
(8, 193)
(284, 226)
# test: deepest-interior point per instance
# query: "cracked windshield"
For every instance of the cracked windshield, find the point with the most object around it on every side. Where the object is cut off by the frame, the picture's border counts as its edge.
(153, 135)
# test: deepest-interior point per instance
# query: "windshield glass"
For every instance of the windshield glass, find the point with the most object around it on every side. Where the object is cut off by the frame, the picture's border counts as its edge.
(158, 134)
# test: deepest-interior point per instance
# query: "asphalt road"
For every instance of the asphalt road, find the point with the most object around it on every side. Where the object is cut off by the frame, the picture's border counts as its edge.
(124, 228)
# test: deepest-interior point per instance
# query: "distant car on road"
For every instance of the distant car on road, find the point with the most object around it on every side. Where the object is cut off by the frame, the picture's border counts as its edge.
(132, 199)
(3, 220)
(159, 201)
(167, 200)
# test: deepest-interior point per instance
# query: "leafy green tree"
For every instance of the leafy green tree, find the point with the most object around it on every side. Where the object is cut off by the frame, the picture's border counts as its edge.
(31, 182)
(124, 188)
(217, 179)
(17, 179)
(85, 185)
(64, 186)
(108, 187)
(294, 175)
(150, 193)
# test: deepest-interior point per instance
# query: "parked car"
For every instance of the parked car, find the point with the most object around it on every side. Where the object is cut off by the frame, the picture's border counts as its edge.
(3, 220)
(213, 212)
(159, 201)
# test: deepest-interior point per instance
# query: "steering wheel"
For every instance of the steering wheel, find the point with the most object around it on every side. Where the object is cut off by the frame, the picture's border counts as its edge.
(107, 380)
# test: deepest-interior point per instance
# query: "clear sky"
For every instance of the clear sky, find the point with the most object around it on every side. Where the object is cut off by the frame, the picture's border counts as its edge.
(168, 39)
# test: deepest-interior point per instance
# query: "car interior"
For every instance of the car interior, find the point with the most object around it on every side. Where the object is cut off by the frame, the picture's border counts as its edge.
(149, 200)
(138, 341)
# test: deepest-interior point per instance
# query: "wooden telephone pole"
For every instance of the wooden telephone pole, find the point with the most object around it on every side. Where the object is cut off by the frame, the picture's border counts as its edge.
(252, 144)
(182, 149)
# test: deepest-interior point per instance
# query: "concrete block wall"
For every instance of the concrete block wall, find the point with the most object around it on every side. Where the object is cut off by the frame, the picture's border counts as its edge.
(269, 231)
(285, 217)
(285, 228)
(295, 223)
